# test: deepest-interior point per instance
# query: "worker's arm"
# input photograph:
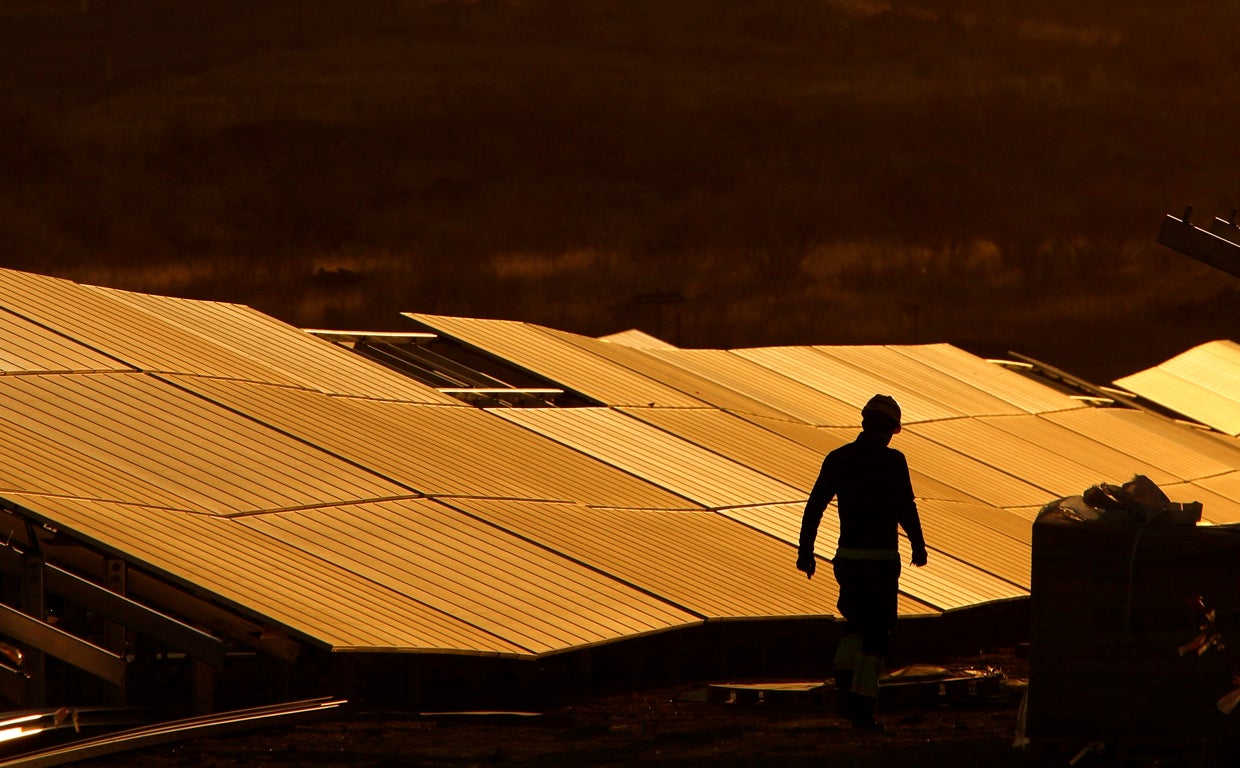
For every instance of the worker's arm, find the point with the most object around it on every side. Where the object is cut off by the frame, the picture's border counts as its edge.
(819, 498)
(910, 521)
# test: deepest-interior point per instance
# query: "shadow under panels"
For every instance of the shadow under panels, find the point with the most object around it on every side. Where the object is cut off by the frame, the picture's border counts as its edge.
(131, 437)
(474, 571)
(947, 583)
(434, 450)
(311, 362)
(702, 562)
(696, 474)
(311, 596)
(536, 350)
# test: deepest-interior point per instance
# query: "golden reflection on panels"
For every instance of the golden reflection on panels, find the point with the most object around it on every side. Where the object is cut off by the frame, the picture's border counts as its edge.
(699, 561)
(437, 451)
(782, 393)
(899, 370)
(1216, 508)
(681, 379)
(737, 439)
(783, 521)
(474, 572)
(132, 437)
(951, 584)
(975, 534)
(825, 440)
(681, 467)
(1024, 393)
(1201, 383)
(312, 362)
(1111, 463)
(1226, 485)
(847, 382)
(534, 349)
(123, 331)
(28, 348)
(1183, 451)
(310, 596)
(1046, 467)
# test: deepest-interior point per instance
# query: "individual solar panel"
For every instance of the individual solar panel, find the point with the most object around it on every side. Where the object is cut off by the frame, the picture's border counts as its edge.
(1045, 467)
(122, 331)
(798, 401)
(434, 450)
(848, 383)
(311, 597)
(1117, 462)
(531, 348)
(783, 521)
(699, 561)
(1181, 450)
(301, 357)
(949, 585)
(134, 438)
(681, 467)
(735, 438)
(899, 370)
(512, 589)
(827, 439)
(701, 388)
(29, 348)
(1024, 393)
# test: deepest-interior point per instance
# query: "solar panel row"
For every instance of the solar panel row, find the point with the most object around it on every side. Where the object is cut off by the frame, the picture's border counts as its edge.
(359, 509)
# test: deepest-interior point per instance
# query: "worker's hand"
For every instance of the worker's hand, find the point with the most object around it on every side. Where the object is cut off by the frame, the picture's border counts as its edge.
(919, 557)
(807, 564)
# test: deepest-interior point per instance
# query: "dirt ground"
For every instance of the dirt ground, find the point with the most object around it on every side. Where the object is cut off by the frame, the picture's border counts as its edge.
(668, 727)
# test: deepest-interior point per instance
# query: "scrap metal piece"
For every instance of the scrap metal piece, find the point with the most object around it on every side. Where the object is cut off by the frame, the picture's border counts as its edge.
(1205, 246)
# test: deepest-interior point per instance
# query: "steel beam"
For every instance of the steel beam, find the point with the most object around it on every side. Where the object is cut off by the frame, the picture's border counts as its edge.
(70, 649)
(157, 592)
(1226, 229)
(1207, 247)
(123, 610)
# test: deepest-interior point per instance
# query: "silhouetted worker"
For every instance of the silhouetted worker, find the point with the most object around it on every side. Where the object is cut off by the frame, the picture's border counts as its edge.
(871, 482)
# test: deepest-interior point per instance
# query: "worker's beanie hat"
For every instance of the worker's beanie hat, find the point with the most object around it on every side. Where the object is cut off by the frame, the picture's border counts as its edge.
(885, 406)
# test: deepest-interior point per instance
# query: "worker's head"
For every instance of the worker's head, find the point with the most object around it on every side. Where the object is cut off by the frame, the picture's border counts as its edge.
(881, 415)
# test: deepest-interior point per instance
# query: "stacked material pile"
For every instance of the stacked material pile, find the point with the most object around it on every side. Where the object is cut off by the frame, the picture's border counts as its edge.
(1131, 603)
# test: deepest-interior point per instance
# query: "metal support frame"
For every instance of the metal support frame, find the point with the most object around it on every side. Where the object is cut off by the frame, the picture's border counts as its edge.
(71, 649)
(33, 602)
(1219, 251)
(122, 611)
(155, 592)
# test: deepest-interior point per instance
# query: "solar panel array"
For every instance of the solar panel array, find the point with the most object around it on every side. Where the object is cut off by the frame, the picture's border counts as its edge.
(1202, 383)
(293, 481)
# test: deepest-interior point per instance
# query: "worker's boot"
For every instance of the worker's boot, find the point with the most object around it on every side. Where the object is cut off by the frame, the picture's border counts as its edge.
(863, 709)
(865, 692)
(847, 655)
(843, 693)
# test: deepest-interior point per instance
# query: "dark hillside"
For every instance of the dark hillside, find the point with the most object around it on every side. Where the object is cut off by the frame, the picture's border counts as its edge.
(718, 173)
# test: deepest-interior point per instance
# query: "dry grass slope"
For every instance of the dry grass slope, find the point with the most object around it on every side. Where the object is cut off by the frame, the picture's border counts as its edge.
(827, 171)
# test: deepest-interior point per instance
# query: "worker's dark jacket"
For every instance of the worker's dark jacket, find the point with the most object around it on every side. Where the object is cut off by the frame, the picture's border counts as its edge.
(871, 482)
